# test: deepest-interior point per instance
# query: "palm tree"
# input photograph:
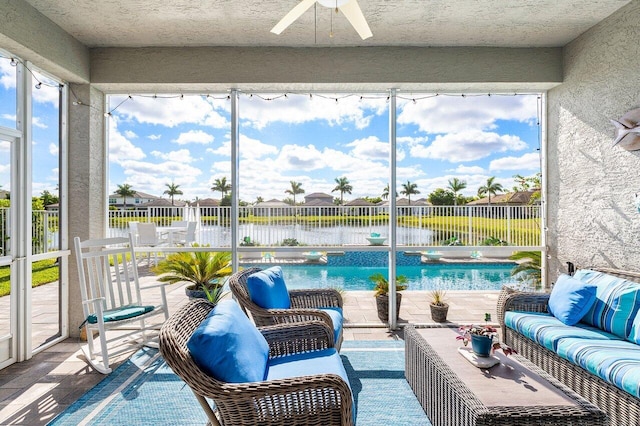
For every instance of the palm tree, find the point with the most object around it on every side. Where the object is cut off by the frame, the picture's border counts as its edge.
(296, 188)
(125, 191)
(342, 186)
(222, 186)
(491, 188)
(385, 192)
(172, 190)
(259, 200)
(456, 185)
(529, 267)
(408, 189)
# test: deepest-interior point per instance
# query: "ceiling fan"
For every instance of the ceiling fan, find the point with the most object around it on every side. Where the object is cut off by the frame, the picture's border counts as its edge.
(350, 9)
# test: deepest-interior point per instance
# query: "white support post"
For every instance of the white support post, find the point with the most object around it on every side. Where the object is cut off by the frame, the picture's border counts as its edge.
(392, 210)
(235, 167)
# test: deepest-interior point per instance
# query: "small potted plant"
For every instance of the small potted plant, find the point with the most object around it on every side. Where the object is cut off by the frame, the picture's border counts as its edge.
(439, 308)
(483, 339)
(206, 271)
(382, 294)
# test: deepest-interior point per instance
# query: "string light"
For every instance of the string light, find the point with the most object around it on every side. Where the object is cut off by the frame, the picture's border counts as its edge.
(336, 99)
(13, 61)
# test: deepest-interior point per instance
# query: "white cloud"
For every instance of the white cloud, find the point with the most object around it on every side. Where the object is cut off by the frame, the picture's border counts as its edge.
(180, 156)
(10, 117)
(451, 114)
(194, 136)
(249, 148)
(530, 161)
(468, 145)
(154, 137)
(130, 134)
(298, 109)
(120, 148)
(296, 157)
(7, 74)
(461, 169)
(373, 148)
(53, 149)
(171, 112)
(253, 148)
(46, 94)
(38, 123)
(5, 146)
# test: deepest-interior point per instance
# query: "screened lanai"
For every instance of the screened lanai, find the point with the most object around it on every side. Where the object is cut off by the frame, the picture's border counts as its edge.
(573, 55)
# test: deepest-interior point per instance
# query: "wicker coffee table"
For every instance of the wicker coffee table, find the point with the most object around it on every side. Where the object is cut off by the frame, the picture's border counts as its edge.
(514, 392)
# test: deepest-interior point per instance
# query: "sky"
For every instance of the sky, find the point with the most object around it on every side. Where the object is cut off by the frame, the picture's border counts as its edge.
(45, 127)
(311, 139)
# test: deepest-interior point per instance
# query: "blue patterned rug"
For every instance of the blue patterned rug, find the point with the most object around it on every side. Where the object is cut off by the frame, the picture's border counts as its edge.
(144, 390)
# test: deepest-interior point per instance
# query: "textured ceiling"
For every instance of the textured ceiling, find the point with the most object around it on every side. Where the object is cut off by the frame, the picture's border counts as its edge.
(507, 23)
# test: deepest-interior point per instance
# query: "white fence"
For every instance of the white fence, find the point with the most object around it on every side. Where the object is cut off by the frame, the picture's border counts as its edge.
(336, 226)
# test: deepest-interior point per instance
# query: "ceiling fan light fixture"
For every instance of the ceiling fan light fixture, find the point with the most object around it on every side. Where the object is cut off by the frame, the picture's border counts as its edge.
(349, 8)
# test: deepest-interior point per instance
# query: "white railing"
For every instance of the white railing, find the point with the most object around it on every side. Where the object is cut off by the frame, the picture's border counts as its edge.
(45, 231)
(336, 226)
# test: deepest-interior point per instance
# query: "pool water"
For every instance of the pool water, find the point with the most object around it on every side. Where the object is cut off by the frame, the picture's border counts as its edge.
(449, 276)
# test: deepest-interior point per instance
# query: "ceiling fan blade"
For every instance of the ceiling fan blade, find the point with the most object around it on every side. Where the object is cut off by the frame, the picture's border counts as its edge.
(294, 14)
(354, 15)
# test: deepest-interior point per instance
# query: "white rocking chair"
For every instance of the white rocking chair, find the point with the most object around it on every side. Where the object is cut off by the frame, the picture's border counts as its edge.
(111, 296)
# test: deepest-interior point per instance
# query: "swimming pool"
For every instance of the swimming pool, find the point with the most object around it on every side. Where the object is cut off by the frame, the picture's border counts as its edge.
(449, 276)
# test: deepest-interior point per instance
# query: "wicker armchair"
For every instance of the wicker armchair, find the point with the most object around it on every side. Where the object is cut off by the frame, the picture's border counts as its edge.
(304, 304)
(306, 401)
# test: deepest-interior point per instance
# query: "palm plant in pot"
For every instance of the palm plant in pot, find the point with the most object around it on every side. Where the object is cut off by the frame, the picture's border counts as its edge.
(439, 308)
(382, 294)
(205, 271)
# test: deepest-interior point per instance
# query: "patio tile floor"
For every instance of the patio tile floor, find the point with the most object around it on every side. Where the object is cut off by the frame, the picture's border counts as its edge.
(35, 391)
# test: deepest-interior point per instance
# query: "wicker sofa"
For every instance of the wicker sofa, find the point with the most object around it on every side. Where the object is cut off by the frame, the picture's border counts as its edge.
(592, 357)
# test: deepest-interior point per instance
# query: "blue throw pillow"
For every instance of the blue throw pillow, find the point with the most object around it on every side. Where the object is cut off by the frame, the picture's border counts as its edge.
(571, 299)
(268, 290)
(228, 347)
(617, 302)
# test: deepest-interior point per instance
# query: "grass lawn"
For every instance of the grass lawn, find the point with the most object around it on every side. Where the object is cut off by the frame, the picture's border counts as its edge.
(43, 272)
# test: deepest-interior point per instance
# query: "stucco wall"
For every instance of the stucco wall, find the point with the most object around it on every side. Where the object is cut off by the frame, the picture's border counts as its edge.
(29, 34)
(87, 189)
(591, 185)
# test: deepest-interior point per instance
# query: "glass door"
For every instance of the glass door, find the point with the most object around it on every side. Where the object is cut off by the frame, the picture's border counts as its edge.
(8, 301)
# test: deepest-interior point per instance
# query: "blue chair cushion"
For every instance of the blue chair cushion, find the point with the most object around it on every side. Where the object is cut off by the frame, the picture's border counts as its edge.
(336, 319)
(617, 302)
(267, 289)
(547, 330)
(122, 313)
(614, 361)
(228, 347)
(570, 299)
(326, 361)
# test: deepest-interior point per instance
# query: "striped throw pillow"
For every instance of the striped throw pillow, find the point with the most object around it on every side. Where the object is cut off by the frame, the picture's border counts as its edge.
(617, 302)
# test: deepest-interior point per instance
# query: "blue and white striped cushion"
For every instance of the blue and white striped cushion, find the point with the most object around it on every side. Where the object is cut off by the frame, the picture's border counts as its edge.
(614, 361)
(616, 305)
(548, 330)
(634, 335)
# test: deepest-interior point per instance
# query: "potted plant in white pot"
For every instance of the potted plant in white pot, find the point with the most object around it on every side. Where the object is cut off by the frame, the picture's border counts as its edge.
(382, 294)
(205, 271)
